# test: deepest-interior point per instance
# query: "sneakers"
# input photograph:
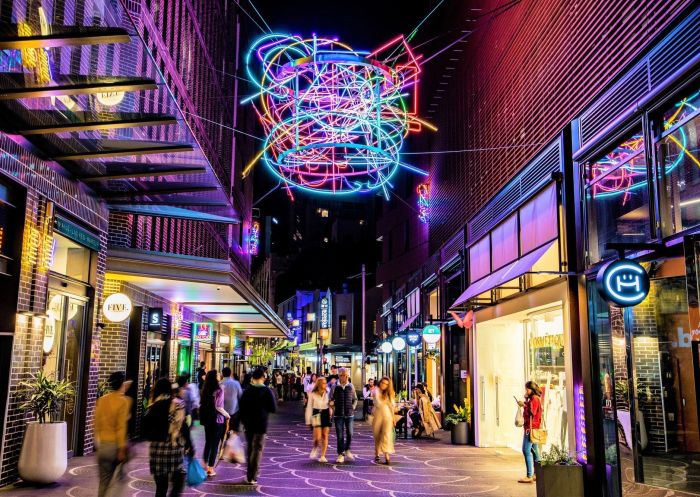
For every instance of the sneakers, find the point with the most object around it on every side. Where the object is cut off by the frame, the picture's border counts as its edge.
(527, 479)
(314, 453)
(341, 459)
(349, 456)
(322, 459)
(251, 482)
(210, 472)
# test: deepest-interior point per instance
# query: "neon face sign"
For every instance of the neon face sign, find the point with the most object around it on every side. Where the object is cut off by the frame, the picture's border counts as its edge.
(623, 282)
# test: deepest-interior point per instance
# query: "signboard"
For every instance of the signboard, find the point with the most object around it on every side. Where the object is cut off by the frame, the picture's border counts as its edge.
(413, 338)
(76, 233)
(326, 311)
(343, 360)
(463, 374)
(431, 334)
(155, 319)
(623, 282)
(117, 307)
(203, 332)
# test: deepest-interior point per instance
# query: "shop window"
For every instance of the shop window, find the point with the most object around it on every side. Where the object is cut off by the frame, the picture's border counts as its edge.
(679, 152)
(617, 198)
(343, 327)
(69, 258)
(539, 222)
(505, 242)
(480, 259)
(7, 215)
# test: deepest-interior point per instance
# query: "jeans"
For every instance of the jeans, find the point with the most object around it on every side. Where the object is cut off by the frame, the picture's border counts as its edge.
(528, 450)
(343, 432)
(178, 480)
(213, 433)
(254, 449)
(107, 464)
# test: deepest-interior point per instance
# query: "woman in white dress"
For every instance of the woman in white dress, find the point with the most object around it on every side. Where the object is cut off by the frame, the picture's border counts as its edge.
(383, 427)
(318, 416)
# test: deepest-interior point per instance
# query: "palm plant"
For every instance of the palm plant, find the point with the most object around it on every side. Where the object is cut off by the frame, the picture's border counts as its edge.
(44, 396)
(461, 414)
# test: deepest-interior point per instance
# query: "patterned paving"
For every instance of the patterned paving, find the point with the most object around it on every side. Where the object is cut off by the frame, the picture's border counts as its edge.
(419, 467)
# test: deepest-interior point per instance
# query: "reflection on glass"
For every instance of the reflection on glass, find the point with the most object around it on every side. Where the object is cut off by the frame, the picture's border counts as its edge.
(620, 154)
(69, 258)
(681, 163)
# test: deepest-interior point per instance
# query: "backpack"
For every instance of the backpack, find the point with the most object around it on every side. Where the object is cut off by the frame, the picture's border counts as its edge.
(155, 423)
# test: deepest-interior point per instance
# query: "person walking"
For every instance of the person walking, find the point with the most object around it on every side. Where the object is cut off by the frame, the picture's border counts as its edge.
(309, 384)
(279, 381)
(532, 414)
(112, 413)
(213, 416)
(383, 423)
(232, 394)
(189, 393)
(201, 375)
(343, 402)
(257, 403)
(318, 416)
(425, 419)
(367, 392)
(166, 456)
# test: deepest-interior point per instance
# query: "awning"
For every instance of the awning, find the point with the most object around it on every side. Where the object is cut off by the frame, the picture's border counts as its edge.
(174, 212)
(307, 347)
(407, 323)
(508, 272)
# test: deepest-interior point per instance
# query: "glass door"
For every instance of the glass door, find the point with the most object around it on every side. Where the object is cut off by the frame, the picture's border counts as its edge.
(64, 336)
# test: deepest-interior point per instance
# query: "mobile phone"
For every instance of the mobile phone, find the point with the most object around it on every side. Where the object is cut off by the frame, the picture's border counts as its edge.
(516, 399)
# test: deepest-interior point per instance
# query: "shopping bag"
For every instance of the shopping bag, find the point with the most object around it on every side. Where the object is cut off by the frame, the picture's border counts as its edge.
(196, 475)
(519, 417)
(119, 483)
(234, 452)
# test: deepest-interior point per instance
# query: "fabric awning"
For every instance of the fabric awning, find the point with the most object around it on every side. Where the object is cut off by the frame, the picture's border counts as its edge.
(508, 272)
(307, 346)
(407, 323)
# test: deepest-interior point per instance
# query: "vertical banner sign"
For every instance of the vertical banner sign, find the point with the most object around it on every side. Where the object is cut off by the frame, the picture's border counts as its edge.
(326, 310)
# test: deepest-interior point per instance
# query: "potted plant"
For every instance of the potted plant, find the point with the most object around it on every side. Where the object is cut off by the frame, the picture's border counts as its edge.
(44, 455)
(459, 421)
(558, 474)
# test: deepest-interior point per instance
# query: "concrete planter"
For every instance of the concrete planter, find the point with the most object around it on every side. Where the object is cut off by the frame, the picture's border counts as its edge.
(460, 433)
(557, 481)
(44, 455)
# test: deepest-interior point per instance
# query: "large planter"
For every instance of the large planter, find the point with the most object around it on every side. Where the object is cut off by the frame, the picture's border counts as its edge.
(557, 481)
(460, 433)
(44, 456)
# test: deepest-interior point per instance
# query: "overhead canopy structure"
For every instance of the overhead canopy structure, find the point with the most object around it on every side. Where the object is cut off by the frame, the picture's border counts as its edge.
(210, 287)
(92, 100)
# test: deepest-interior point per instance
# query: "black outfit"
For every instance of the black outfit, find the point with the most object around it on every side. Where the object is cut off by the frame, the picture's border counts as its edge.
(256, 404)
(326, 421)
(201, 374)
(178, 484)
(344, 400)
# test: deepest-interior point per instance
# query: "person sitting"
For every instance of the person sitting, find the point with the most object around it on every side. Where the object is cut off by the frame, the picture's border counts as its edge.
(424, 418)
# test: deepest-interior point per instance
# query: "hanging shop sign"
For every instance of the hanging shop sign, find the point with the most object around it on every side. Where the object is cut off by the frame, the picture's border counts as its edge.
(155, 319)
(325, 306)
(386, 347)
(398, 343)
(203, 332)
(413, 338)
(117, 307)
(431, 334)
(623, 282)
(76, 233)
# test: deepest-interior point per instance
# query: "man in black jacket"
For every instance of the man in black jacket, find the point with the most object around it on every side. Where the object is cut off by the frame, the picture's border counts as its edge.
(256, 403)
(344, 401)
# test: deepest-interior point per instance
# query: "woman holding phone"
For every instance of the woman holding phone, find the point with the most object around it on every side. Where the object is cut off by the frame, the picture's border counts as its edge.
(532, 414)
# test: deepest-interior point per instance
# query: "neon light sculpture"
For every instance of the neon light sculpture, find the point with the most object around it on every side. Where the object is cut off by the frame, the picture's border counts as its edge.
(335, 118)
(423, 191)
(254, 238)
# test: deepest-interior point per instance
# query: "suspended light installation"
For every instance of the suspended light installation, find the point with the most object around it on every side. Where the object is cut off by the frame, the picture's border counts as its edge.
(335, 118)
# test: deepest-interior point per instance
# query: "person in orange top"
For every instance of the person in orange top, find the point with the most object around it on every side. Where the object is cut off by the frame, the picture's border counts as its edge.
(532, 413)
(112, 414)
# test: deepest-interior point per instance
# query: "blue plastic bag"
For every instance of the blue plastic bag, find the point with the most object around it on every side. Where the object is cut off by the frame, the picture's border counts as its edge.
(196, 475)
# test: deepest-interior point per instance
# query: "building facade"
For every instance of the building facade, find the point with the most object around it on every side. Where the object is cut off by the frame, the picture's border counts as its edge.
(124, 235)
(525, 217)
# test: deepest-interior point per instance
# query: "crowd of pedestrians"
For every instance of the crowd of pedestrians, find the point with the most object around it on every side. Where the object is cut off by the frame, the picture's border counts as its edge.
(226, 408)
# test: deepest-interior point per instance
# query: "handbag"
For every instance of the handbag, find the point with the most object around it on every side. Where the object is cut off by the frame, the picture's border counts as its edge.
(234, 452)
(538, 435)
(196, 475)
(316, 420)
(519, 418)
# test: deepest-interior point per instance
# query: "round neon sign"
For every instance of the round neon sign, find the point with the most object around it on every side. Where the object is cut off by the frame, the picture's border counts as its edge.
(398, 344)
(431, 334)
(386, 347)
(623, 282)
(117, 307)
(413, 338)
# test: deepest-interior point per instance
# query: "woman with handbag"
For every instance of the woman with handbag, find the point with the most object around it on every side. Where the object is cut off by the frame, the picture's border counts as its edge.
(318, 416)
(171, 443)
(213, 417)
(384, 420)
(533, 434)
